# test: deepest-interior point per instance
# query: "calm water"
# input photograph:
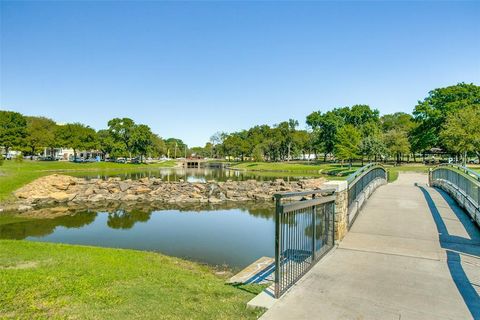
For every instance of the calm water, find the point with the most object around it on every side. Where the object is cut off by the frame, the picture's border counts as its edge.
(199, 175)
(231, 234)
(220, 236)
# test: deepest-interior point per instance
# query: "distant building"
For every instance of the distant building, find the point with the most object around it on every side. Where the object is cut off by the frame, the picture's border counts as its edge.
(58, 153)
(67, 154)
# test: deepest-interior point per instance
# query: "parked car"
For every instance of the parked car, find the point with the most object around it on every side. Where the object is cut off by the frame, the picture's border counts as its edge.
(48, 158)
(121, 160)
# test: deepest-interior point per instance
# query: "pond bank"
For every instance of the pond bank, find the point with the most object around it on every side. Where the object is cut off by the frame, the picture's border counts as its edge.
(43, 280)
(71, 191)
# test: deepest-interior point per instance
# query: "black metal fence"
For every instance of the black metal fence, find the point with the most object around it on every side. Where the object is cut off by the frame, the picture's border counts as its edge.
(362, 178)
(304, 232)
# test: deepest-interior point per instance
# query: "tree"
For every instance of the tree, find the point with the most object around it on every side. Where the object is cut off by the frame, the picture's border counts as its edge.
(108, 145)
(141, 140)
(158, 147)
(360, 114)
(12, 129)
(348, 145)
(325, 127)
(301, 142)
(402, 122)
(40, 132)
(287, 130)
(399, 120)
(175, 147)
(373, 147)
(461, 131)
(121, 130)
(397, 143)
(236, 146)
(432, 112)
(77, 136)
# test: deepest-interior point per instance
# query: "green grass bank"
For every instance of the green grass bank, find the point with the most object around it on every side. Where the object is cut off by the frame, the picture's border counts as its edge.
(14, 175)
(314, 168)
(56, 281)
(328, 170)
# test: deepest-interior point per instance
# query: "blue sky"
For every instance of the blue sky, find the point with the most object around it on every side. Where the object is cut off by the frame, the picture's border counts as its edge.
(189, 69)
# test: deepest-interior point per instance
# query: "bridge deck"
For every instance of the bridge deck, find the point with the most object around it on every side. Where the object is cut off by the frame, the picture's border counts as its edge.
(411, 254)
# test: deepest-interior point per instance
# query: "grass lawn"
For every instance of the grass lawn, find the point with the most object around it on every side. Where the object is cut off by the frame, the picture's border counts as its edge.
(13, 174)
(56, 281)
(298, 167)
(421, 168)
(475, 168)
(394, 171)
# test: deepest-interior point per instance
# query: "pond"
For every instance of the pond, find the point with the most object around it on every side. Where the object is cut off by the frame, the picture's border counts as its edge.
(196, 175)
(232, 236)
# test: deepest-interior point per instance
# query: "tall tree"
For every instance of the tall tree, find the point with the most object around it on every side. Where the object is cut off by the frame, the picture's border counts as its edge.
(397, 143)
(348, 145)
(121, 130)
(399, 120)
(13, 129)
(141, 140)
(432, 112)
(461, 131)
(404, 125)
(158, 147)
(325, 127)
(374, 147)
(175, 147)
(40, 133)
(217, 140)
(77, 136)
(108, 145)
(360, 114)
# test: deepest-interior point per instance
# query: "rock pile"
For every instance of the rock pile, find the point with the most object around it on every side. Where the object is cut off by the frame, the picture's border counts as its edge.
(61, 189)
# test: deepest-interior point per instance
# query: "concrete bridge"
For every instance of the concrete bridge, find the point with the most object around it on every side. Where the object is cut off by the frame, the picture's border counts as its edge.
(412, 253)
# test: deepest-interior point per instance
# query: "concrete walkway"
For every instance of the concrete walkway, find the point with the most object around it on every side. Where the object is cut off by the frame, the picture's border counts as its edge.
(412, 253)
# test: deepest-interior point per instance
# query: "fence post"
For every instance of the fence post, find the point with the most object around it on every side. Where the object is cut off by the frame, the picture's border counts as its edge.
(314, 232)
(333, 222)
(277, 244)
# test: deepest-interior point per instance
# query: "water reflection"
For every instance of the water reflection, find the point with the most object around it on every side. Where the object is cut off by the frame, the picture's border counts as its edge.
(126, 219)
(43, 227)
(232, 234)
(196, 175)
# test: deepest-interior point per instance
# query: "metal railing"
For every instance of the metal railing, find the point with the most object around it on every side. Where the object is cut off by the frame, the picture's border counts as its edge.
(464, 181)
(357, 184)
(304, 232)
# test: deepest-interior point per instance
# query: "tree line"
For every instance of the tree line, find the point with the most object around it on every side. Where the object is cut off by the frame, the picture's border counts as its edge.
(122, 138)
(446, 121)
